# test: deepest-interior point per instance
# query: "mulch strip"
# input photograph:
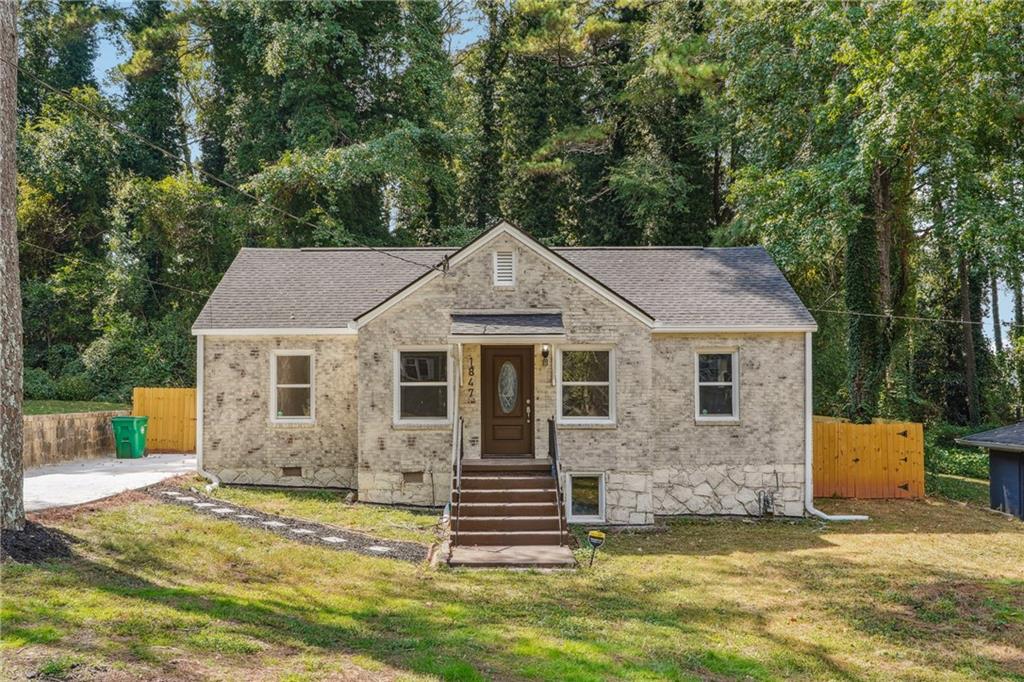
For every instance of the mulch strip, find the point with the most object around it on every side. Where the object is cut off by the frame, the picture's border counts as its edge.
(309, 532)
(35, 543)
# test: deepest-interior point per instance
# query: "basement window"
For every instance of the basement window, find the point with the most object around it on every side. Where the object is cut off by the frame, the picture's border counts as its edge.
(717, 395)
(584, 497)
(291, 386)
(422, 387)
(504, 268)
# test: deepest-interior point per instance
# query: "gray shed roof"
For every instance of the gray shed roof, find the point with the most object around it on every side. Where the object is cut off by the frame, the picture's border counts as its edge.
(1010, 438)
(328, 288)
(512, 324)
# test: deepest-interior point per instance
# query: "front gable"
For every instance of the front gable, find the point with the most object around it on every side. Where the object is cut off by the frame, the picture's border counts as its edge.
(487, 249)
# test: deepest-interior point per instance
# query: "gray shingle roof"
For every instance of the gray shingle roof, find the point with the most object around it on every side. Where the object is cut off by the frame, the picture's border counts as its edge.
(328, 288)
(508, 324)
(1004, 438)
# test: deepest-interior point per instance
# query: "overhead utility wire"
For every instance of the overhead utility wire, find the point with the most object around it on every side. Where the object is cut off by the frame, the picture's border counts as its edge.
(145, 279)
(120, 127)
(943, 320)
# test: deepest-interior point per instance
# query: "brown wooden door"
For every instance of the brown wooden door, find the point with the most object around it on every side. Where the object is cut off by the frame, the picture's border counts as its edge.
(506, 400)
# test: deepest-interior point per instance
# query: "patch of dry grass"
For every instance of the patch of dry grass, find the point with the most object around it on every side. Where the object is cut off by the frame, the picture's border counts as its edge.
(925, 590)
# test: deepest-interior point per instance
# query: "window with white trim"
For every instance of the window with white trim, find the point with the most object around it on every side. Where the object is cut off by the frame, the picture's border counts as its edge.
(422, 385)
(291, 386)
(586, 385)
(584, 497)
(717, 388)
(504, 268)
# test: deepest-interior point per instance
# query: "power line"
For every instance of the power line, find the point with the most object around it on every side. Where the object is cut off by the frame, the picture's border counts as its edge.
(941, 320)
(81, 260)
(120, 127)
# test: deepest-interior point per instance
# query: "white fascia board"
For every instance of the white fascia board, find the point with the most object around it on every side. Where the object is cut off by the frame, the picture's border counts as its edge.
(1005, 447)
(277, 331)
(507, 229)
(734, 329)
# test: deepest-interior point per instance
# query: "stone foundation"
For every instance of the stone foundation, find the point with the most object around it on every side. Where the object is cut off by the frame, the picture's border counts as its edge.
(728, 489)
(628, 498)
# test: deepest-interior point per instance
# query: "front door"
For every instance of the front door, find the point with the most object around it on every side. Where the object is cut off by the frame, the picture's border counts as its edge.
(506, 400)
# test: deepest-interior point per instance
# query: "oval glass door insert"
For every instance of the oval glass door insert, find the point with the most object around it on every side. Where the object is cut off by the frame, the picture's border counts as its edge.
(508, 387)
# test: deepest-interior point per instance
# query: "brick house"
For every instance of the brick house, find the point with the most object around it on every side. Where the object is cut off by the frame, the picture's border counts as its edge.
(671, 380)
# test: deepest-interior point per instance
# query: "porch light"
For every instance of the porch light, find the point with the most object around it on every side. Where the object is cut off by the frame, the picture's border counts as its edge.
(545, 353)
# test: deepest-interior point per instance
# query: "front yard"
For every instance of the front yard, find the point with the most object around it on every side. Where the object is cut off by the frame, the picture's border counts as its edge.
(926, 590)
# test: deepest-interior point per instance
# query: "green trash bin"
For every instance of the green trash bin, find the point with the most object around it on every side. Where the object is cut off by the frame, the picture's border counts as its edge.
(130, 436)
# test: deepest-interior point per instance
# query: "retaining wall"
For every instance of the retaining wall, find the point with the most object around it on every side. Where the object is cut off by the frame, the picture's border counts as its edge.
(52, 438)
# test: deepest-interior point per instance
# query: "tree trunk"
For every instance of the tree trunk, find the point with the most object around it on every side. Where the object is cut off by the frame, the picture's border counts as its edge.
(12, 509)
(1018, 301)
(997, 330)
(877, 283)
(970, 362)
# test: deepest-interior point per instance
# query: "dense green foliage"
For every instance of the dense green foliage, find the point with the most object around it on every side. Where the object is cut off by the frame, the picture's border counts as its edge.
(875, 149)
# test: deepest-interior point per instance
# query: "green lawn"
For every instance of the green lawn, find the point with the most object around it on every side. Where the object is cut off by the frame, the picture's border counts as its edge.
(64, 406)
(926, 590)
(329, 507)
(958, 488)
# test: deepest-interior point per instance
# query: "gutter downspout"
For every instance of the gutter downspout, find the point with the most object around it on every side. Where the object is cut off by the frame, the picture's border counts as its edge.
(809, 444)
(214, 482)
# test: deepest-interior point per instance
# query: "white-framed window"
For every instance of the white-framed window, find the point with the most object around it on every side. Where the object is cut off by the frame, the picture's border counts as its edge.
(717, 385)
(584, 497)
(586, 385)
(423, 386)
(292, 392)
(504, 268)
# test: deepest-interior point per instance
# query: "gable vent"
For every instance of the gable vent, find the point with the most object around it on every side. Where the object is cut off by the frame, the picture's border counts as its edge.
(504, 268)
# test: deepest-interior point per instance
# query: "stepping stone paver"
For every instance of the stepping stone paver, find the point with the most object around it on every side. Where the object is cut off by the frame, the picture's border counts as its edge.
(299, 530)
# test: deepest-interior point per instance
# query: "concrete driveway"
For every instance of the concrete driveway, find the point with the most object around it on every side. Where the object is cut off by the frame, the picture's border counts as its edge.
(59, 485)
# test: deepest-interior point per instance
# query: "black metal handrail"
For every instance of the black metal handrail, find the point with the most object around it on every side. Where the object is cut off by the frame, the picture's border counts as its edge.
(457, 452)
(556, 474)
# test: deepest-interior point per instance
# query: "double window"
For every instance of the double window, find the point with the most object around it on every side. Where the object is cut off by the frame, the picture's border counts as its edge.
(586, 385)
(291, 386)
(717, 386)
(422, 386)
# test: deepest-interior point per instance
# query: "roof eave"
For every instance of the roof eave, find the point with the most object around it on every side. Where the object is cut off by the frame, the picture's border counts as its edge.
(1007, 447)
(732, 329)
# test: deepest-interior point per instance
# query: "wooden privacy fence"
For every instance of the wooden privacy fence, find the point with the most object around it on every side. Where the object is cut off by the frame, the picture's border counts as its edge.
(172, 418)
(868, 460)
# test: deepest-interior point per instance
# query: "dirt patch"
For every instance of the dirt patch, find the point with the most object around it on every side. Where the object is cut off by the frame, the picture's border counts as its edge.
(35, 543)
(60, 514)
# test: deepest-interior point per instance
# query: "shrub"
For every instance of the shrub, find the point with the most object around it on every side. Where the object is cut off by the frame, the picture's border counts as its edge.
(74, 387)
(39, 385)
(942, 454)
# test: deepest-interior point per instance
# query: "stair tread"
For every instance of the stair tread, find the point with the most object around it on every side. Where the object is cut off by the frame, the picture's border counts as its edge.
(513, 533)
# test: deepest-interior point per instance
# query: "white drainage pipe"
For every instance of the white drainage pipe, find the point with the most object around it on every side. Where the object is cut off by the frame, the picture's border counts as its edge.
(809, 444)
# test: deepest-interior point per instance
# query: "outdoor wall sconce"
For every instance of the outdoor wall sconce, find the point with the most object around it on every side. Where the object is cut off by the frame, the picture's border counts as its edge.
(545, 353)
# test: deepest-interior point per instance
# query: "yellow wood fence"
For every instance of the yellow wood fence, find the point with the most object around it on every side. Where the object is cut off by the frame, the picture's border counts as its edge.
(172, 418)
(881, 460)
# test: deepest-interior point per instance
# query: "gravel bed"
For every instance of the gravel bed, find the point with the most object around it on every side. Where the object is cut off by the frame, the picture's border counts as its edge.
(296, 530)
